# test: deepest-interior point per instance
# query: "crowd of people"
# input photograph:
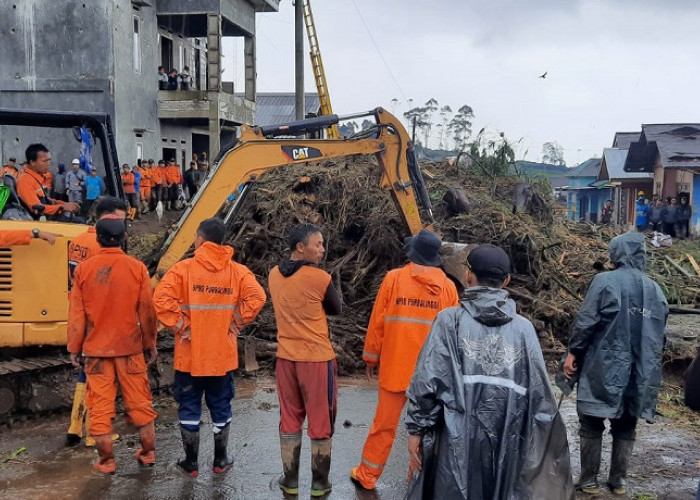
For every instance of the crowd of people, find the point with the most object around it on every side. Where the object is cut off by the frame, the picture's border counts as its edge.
(175, 80)
(669, 216)
(74, 191)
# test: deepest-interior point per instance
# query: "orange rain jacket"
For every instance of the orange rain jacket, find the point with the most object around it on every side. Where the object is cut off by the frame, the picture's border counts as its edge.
(13, 237)
(83, 246)
(212, 297)
(111, 307)
(159, 176)
(146, 176)
(408, 300)
(172, 174)
(128, 182)
(30, 188)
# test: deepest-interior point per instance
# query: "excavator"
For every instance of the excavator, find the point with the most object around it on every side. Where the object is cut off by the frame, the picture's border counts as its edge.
(238, 167)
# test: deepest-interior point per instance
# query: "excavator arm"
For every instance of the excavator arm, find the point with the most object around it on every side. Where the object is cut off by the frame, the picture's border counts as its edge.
(260, 150)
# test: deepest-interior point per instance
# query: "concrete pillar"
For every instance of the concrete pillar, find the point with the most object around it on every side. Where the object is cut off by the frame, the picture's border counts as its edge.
(214, 137)
(214, 52)
(250, 67)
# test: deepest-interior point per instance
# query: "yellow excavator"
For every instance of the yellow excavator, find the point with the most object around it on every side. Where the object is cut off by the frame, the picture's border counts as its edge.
(39, 318)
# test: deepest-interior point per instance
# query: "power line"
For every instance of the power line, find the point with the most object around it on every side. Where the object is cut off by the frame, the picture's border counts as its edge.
(376, 47)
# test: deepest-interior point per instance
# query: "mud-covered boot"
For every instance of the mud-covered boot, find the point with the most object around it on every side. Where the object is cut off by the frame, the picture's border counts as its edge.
(105, 450)
(619, 461)
(190, 441)
(146, 455)
(77, 415)
(320, 467)
(222, 461)
(590, 465)
(290, 447)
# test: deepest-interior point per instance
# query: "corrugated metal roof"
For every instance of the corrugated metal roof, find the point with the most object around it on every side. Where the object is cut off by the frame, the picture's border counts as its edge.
(614, 166)
(678, 144)
(588, 168)
(624, 139)
(278, 107)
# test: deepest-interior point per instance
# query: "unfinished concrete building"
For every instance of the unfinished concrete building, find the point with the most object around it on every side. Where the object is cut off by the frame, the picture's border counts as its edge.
(79, 55)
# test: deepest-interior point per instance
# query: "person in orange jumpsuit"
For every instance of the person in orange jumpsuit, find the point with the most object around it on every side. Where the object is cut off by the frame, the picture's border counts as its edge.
(173, 178)
(10, 168)
(206, 300)
(31, 190)
(17, 237)
(306, 371)
(146, 185)
(408, 300)
(161, 175)
(80, 249)
(132, 197)
(111, 322)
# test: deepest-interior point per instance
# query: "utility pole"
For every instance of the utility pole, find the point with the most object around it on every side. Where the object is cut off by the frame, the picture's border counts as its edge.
(299, 58)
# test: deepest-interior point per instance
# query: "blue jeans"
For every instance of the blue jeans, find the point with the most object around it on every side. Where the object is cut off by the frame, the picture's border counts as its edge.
(218, 393)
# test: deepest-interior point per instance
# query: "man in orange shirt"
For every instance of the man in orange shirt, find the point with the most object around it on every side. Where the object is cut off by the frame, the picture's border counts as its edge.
(10, 168)
(161, 176)
(15, 237)
(408, 300)
(302, 295)
(111, 323)
(206, 300)
(129, 183)
(146, 185)
(80, 249)
(173, 178)
(31, 190)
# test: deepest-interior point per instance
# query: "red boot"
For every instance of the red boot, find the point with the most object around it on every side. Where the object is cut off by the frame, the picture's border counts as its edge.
(105, 464)
(146, 455)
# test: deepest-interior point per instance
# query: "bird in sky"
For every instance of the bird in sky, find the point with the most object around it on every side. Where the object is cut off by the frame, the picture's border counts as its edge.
(544, 75)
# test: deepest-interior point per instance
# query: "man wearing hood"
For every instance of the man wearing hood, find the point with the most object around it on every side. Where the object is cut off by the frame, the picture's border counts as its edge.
(306, 371)
(482, 420)
(641, 210)
(615, 345)
(206, 300)
(408, 300)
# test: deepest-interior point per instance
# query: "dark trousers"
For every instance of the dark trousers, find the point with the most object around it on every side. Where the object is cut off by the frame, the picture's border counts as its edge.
(173, 193)
(133, 199)
(161, 193)
(669, 228)
(680, 229)
(657, 226)
(620, 428)
(218, 393)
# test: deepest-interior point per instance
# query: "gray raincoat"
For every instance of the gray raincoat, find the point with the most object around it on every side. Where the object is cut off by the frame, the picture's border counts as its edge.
(618, 336)
(480, 398)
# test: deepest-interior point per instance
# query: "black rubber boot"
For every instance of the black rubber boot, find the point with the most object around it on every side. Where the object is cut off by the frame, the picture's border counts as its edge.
(619, 461)
(222, 462)
(290, 448)
(190, 441)
(320, 467)
(590, 465)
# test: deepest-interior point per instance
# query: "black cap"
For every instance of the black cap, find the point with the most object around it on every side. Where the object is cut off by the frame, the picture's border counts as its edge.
(12, 158)
(111, 231)
(424, 248)
(489, 261)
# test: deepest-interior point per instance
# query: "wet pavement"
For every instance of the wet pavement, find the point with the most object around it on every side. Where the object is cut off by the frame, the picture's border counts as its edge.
(663, 465)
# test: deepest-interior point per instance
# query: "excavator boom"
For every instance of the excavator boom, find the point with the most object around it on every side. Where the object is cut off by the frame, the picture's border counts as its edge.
(260, 150)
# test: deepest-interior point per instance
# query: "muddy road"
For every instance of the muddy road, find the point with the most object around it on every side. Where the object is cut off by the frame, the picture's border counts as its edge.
(663, 465)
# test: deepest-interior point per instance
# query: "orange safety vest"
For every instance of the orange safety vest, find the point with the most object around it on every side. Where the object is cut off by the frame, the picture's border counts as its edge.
(302, 325)
(111, 307)
(207, 299)
(408, 301)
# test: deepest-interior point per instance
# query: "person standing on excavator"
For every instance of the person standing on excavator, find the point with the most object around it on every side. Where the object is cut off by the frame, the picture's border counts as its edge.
(408, 300)
(80, 249)
(307, 375)
(206, 300)
(111, 322)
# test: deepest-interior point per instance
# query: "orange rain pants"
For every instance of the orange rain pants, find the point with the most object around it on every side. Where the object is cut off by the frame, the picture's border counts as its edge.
(102, 376)
(381, 437)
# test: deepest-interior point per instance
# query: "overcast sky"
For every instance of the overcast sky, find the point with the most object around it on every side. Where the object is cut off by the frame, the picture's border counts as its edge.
(611, 65)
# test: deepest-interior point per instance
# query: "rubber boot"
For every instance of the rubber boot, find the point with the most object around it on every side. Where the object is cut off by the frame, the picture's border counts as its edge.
(105, 464)
(77, 415)
(146, 455)
(320, 467)
(190, 441)
(590, 465)
(619, 461)
(222, 462)
(290, 448)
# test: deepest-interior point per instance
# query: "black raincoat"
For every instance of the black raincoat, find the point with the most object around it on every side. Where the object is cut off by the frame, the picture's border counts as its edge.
(618, 336)
(481, 400)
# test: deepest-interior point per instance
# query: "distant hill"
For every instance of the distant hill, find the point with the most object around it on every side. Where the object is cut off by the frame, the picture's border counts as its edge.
(534, 169)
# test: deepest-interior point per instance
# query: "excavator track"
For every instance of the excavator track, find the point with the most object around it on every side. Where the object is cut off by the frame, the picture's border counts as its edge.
(37, 385)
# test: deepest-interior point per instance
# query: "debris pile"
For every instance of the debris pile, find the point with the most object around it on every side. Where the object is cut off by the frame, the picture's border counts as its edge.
(554, 259)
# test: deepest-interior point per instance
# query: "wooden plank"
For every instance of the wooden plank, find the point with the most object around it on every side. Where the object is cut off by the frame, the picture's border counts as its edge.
(693, 263)
(679, 268)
